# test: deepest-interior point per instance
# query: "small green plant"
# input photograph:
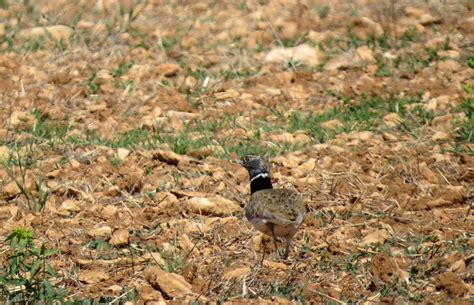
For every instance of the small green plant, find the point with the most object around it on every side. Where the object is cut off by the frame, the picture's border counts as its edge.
(25, 277)
(93, 84)
(35, 200)
(122, 68)
(470, 62)
(466, 132)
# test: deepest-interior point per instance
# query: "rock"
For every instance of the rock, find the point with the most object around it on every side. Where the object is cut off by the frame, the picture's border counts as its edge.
(185, 242)
(466, 26)
(440, 135)
(119, 237)
(451, 282)
(302, 138)
(376, 237)
(389, 137)
(364, 84)
(236, 273)
(282, 138)
(155, 258)
(321, 36)
(22, 120)
(341, 61)
(84, 25)
(458, 266)
(168, 69)
(305, 168)
(226, 95)
(93, 276)
(288, 161)
(453, 54)
(207, 151)
(332, 124)
(186, 116)
(151, 296)
(11, 189)
(215, 205)
(429, 175)
(70, 205)
(365, 28)
(303, 53)
(275, 265)
(392, 119)
(108, 212)
(449, 66)
(4, 153)
(351, 59)
(115, 288)
(172, 284)
(97, 107)
(101, 232)
(169, 157)
(56, 32)
(421, 16)
(365, 55)
(362, 135)
(122, 153)
(288, 30)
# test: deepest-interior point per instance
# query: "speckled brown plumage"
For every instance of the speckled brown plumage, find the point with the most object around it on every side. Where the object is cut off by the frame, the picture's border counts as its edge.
(275, 212)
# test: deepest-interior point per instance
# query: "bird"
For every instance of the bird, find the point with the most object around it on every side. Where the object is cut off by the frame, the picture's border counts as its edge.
(276, 212)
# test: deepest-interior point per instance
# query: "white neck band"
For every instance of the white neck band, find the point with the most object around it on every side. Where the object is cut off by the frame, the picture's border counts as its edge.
(261, 175)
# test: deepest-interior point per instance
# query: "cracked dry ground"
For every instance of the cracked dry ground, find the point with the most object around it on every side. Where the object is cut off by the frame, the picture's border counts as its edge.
(129, 114)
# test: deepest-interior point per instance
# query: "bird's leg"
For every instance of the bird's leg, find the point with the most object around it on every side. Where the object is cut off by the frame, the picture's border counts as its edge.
(287, 248)
(263, 254)
(272, 228)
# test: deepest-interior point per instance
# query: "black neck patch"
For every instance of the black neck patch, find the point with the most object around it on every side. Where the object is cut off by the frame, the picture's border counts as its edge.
(260, 182)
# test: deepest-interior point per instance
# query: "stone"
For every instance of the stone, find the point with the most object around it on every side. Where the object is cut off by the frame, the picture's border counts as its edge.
(56, 32)
(215, 205)
(122, 153)
(119, 237)
(365, 54)
(169, 69)
(182, 115)
(440, 135)
(93, 276)
(171, 284)
(449, 66)
(282, 138)
(236, 273)
(305, 168)
(303, 53)
(11, 189)
(70, 205)
(392, 119)
(4, 153)
(101, 232)
(332, 124)
(466, 26)
(365, 28)
(375, 237)
(169, 157)
(22, 120)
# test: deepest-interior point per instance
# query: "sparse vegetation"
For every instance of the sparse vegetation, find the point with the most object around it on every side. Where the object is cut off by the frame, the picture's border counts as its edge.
(119, 129)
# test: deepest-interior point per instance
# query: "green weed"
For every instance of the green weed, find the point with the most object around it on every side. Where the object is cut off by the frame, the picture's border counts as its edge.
(26, 274)
(35, 199)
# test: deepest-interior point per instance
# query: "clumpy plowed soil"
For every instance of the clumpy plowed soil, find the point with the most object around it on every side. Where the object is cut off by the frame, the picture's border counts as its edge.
(130, 116)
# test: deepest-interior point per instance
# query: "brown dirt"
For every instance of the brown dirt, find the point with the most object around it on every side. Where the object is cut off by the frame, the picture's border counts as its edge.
(388, 204)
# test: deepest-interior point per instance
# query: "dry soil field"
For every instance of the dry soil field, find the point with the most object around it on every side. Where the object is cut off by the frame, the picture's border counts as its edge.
(120, 122)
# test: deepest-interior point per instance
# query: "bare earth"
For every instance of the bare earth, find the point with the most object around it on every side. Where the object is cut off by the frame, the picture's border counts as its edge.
(129, 114)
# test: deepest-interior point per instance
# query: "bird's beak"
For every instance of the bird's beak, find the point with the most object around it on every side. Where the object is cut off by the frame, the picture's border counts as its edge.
(238, 161)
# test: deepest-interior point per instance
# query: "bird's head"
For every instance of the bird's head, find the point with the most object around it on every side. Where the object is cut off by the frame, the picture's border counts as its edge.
(255, 165)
